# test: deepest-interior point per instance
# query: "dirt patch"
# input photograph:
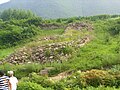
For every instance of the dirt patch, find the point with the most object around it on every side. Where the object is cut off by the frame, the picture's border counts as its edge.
(59, 76)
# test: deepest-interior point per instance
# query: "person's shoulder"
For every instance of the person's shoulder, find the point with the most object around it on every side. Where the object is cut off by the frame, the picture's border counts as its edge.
(13, 77)
(6, 77)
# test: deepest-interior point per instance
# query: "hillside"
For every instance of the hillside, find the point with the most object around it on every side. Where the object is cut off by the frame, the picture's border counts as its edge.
(65, 8)
(61, 54)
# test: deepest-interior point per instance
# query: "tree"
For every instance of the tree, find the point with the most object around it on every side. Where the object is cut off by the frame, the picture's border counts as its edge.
(16, 14)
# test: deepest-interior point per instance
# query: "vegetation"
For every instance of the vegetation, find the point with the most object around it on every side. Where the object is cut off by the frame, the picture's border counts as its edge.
(93, 66)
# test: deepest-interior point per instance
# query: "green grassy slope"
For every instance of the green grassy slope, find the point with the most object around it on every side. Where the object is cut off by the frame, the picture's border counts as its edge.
(93, 66)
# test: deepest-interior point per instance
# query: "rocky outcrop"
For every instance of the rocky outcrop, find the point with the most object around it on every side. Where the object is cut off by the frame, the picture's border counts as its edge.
(79, 26)
(47, 53)
(46, 71)
(48, 38)
(51, 26)
(55, 52)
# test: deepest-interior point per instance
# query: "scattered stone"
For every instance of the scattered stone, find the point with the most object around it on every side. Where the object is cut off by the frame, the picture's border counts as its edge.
(79, 26)
(51, 52)
(51, 26)
(45, 71)
(37, 54)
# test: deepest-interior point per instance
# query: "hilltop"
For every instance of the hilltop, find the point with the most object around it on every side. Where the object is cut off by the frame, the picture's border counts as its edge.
(65, 8)
(61, 54)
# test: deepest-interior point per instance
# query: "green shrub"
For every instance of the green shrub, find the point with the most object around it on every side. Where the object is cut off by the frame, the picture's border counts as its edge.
(13, 35)
(59, 86)
(16, 14)
(41, 80)
(98, 77)
(65, 50)
(115, 30)
(29, 86)
(48, 53)
(101, 88)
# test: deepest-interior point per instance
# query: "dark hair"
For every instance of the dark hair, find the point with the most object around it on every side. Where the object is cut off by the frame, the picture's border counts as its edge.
(1, 73)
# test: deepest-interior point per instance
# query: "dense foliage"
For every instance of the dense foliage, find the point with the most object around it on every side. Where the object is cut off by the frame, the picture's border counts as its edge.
(16, 14)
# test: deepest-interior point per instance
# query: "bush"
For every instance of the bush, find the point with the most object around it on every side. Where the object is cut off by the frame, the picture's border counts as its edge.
(98, 77)
(65, 50)
(101, 88)
(43, 81)
(13, 35)
(16, 14)
(29, 86)
(59, 86)
(115, 30)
